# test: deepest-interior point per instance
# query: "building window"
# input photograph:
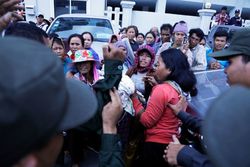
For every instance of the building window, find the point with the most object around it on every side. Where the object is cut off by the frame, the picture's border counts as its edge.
(63, 7)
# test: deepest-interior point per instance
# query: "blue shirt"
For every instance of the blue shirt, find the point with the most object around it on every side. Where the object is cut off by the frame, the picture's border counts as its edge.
(223, 63)
(67, 65)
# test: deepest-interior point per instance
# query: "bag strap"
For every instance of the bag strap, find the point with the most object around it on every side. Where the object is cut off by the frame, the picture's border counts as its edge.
(177, 87)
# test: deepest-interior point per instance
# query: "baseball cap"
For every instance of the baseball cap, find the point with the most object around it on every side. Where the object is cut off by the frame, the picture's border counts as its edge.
(224, 8)
(237, 11)
(239, 45)
(41, 16)
(226, 128)
(36, 101)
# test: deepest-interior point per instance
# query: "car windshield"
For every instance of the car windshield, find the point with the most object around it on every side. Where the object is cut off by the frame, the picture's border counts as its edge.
(210, 85)
(101, 29)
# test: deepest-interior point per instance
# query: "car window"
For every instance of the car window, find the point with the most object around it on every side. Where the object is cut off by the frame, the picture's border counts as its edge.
(100, 28)
(230, 34)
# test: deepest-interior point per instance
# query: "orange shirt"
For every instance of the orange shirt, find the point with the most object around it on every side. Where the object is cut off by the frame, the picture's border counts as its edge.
(159, 120)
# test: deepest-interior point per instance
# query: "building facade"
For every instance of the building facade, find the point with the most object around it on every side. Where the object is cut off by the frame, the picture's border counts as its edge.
(143, 13)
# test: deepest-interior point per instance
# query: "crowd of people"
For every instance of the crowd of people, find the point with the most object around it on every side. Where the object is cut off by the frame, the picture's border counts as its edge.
(223, 18)
(58, 98)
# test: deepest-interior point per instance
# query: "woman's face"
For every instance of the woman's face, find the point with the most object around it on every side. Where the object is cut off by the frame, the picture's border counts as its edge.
(131, 33)
(150, 39)
(87, 41)
(84, 67)
(75, 44)
(161, 71)
(144, 59)
(59, 50)
(179, 38)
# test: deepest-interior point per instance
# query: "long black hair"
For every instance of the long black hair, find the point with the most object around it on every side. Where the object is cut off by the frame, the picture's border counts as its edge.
(91, 36)
(177, 63)
(59, 41)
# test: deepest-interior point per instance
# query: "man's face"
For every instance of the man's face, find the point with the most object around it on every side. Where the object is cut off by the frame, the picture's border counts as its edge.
(237, 14)
(223, 11)
(236, 71)
(39, 20)
(220, 43)
(194, 40)
(140, 39)
(48, 155)
(165, 36)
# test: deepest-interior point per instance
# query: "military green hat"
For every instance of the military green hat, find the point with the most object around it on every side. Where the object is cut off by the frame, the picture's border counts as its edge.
(240, 44)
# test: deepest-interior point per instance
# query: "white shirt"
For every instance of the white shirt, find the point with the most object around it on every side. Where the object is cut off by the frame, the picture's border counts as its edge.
(199, 58)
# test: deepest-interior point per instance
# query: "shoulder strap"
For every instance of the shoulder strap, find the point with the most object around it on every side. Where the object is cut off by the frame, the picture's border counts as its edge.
(176, 86)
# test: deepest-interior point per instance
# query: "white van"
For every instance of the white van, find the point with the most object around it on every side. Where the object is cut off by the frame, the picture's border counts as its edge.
(67, 24)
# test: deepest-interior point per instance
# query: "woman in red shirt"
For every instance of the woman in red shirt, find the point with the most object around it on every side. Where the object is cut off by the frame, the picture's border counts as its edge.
(176, 78)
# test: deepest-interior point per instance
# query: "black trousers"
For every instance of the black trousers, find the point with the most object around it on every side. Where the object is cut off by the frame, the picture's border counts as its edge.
(152, 155)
